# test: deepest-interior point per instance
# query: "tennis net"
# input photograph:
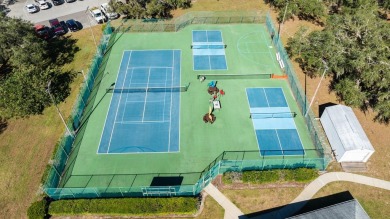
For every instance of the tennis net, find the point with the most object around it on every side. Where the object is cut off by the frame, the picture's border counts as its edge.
(272, 115)
(233, 76)
(208, 46)
(147, 89)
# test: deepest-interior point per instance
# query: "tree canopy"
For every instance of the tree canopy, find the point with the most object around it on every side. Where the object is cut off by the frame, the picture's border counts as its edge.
(148, 8)
(317, 11)
(27, 63)
(355, 44)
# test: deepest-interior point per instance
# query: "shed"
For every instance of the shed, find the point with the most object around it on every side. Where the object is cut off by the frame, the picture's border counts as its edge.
(345, 134)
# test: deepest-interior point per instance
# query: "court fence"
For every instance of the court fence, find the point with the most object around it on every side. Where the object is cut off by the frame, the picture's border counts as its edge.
(227, 161)
(315, 130)
(196, 17)
(60, 172)
(64, 146)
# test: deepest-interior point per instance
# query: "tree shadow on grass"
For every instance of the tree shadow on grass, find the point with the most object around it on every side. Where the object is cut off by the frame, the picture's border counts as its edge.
(62, 50)
(3, 125)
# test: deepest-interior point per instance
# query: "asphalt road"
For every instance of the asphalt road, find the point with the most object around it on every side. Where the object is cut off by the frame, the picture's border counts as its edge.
(75, 10)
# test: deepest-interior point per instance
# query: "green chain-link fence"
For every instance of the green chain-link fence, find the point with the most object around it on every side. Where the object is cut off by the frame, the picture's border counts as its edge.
(198, 17)
(228, 161)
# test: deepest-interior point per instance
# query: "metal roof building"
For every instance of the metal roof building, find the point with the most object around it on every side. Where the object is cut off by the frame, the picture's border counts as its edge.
(346, 210)
(345, 134)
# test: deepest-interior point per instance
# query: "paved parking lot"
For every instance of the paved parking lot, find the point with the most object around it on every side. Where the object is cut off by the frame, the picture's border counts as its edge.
(75, 10)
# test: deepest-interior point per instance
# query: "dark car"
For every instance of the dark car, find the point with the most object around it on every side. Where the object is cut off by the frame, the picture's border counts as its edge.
(43, 31)
(58, 29)
(57, 2)
(73, 25)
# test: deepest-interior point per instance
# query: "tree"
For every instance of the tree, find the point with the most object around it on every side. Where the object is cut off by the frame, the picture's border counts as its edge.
(148, 8)
(304, 9)
(26, 67)
(356, 45)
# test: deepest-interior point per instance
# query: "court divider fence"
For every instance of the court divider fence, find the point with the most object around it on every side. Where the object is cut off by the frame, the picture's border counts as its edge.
(196, 17)
(61, 184)
(228, 161)
(315, 130)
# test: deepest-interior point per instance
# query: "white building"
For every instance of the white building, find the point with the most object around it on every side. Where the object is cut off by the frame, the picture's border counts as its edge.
(346, 136)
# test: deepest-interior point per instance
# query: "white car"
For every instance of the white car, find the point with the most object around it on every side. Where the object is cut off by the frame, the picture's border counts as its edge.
(31, 8)
(43, 5)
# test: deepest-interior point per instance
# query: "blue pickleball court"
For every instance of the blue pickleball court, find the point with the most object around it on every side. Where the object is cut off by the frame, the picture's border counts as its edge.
(273, 122)
(144, 110)
(208, 50)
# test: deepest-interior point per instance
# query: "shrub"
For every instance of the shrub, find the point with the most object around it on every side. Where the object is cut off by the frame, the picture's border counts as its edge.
(304, 174)
(230, 177)
(260, 176)
(122, 206)
(38, 210)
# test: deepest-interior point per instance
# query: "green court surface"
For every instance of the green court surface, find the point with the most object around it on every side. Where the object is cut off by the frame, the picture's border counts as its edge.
(248, 51)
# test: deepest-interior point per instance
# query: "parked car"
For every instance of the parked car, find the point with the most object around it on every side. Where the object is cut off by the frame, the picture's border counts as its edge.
(105, 8)
(57, 2)
(73, 25)
(43, 31)
(56, 26)
(43, 5)
(69, 1)
(31, 8)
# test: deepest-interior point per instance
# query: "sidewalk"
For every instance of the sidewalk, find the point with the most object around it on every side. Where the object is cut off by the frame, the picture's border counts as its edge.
(231, 211)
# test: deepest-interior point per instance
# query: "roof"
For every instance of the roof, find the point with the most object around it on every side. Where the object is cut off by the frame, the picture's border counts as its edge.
(347, 126)
(346, 210)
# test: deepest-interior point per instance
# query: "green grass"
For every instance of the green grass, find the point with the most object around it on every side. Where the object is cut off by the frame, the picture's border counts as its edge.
(26, 145)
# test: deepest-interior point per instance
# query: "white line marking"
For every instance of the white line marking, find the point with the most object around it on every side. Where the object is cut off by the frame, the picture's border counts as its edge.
(112, 96)
(116, 113)
(146, 96)
(266, 98)
(280, 144)
(170, 109)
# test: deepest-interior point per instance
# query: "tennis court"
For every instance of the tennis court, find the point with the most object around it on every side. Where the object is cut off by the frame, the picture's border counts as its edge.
(208, 50)
(136, 132)
(273, 122)
(144, 109)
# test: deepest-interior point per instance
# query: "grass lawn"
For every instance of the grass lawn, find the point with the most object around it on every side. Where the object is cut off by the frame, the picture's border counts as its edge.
(26, 145)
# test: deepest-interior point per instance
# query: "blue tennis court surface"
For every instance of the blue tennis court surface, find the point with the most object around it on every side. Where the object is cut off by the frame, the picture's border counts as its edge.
(208, 50)
(273, 122)
(139, 122)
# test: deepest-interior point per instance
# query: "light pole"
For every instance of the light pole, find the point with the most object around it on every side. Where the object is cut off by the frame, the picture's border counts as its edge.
(90, 26)
(284, 15)
(58, 110)
(318, 86)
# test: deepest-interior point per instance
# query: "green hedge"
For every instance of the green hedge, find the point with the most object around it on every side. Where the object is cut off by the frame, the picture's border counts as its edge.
(38, 210)
(301, 175)
(125, 206)
(271, 176)
(260, 176)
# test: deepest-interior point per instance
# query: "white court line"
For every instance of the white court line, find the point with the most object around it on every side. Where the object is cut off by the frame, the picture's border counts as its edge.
(254, 130)
(116, 114)
(280, 144)
(146, 121)
(165, 94)
(170, 109)
(148, 67)
(133, 101)
(127, 95)
(299, 136)
(179, 99)
(266, 98)
(270, 54)
(146, 96)
(112, 96)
